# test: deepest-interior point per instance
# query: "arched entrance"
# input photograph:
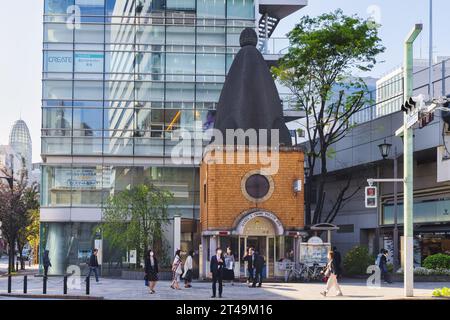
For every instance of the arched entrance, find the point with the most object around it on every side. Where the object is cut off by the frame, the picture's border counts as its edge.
(259, 229)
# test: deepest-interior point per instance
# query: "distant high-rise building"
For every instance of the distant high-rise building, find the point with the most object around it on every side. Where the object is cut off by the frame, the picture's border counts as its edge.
(20, 141)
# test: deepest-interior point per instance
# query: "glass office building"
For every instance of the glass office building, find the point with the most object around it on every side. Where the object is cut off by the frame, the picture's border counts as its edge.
(119, 78)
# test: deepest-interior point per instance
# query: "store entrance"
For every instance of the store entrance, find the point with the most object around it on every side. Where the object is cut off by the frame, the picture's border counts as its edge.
(265, 246)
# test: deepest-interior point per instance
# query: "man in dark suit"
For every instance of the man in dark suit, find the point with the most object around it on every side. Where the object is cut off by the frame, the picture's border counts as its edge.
(216, 268)
(259, 268)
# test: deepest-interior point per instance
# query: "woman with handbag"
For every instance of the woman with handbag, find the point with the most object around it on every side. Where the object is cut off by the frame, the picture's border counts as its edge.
(331, 273)
(188, 266)
(177, 271)
(151, 271)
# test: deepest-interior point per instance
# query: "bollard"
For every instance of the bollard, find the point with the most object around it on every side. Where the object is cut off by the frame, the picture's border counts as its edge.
(44, 289)
(87, 285)
(25, 284)
(65, 285)
(9, 284)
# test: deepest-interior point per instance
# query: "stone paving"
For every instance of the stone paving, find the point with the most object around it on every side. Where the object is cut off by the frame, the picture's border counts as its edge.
(135, 290)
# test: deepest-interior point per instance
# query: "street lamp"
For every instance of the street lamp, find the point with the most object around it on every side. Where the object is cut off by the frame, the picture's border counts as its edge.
(307, 194)
(385, 149)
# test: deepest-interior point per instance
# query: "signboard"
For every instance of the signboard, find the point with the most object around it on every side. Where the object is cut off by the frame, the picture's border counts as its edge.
(59, 61)
(311, 253)
(62, 61)
(89, 62)
(98, 244)
(132, 257)
(412, 119)
(81, 178)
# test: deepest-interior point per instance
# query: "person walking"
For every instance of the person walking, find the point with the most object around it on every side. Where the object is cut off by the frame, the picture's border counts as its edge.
(216, 269)
(229, 266)
(338, 262)
(259, 263)
(93, 265)
(46, 262)
(250, 258)
(177, 271)
(331, 274)
(383, 266)
(188, 267)
(151, 271)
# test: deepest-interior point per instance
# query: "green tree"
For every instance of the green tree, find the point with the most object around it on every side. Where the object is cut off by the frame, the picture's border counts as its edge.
(29, 222)
(135, 218)
(324, 52)
(17, 198)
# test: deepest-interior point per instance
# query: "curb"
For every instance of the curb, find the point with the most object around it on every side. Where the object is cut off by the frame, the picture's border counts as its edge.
(51, 296)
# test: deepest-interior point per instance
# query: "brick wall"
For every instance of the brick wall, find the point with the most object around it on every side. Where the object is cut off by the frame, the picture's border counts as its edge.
(224, 200)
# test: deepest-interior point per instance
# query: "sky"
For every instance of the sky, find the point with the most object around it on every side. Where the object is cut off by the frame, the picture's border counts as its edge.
(21, 57)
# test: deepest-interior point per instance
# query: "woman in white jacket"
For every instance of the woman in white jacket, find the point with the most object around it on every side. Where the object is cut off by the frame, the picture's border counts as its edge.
(188, 266)
(177, 270)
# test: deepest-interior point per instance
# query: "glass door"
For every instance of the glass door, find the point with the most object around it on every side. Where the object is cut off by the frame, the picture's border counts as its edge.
(271, 257)
(241, 254)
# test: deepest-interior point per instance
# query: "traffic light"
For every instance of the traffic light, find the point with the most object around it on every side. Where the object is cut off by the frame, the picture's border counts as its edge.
(426, 119)
(446, 114)
(371, 197)
(409, 105)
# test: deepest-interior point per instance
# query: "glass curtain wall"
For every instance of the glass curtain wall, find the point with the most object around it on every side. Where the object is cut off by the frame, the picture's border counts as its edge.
(120, 76)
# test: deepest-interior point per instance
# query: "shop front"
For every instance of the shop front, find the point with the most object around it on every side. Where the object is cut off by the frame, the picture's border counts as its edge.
(258, 229)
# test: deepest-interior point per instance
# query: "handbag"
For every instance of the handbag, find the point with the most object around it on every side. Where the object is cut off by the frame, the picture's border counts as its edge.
(327, 272)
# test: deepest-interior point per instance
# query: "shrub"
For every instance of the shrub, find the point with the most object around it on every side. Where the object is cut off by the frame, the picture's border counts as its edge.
(357, 260)
(444, 292)
(437, 261)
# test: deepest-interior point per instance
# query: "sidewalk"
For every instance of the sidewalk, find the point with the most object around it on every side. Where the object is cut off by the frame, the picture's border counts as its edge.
(135, 290)
(29, 270)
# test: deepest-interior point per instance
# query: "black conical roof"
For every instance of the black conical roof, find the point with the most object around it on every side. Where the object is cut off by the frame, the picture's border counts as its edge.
(249, 98)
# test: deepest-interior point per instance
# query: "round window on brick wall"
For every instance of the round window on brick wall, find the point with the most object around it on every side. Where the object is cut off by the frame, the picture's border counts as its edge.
(257, 186)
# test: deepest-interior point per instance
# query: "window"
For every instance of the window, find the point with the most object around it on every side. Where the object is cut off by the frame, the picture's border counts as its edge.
(240, 9)
(57, 6)
(257, 186)
(57, 121)
(58, 61)
(346, 228)
(57, 33)
(211, 8)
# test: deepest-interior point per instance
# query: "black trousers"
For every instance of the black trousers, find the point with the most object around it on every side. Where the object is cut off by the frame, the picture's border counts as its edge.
(258, 277)
(45, 271)
(251, 274)
(217, 278)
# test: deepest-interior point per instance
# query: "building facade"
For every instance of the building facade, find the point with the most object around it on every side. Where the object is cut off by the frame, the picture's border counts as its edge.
(358, 157)
(242, 206)
(120, 78)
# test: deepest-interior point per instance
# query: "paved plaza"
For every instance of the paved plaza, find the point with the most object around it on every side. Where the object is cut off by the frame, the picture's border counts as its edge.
(135, 290)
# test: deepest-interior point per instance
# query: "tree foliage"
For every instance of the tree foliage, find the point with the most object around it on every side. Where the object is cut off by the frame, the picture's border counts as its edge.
(324, 52)
(135, 218)
(357, 260)
(17, 202)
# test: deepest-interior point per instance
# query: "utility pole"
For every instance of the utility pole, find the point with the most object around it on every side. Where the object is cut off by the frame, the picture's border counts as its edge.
(430, 58)
(408, 145)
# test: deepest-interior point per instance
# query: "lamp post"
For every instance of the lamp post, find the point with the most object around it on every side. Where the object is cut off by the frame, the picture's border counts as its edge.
(307, 194)
(385, 149)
